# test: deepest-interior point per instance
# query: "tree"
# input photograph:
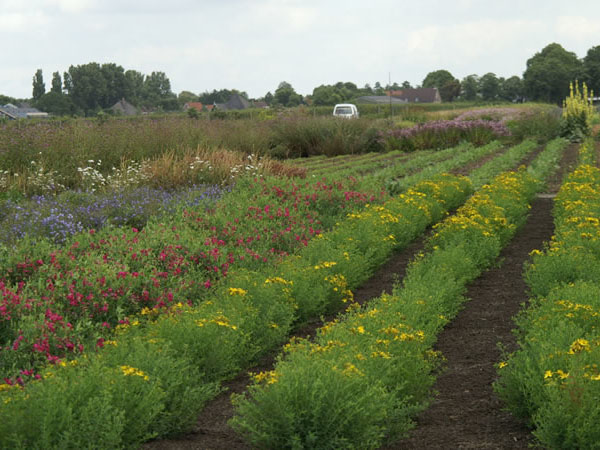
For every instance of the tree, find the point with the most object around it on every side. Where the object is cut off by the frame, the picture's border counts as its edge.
(406, 85)
(591, 69)
(285, 95)
(268, 98)
(437, 79)
(39, 88)
(450, 90)
(157, 92)
(56, 103)
(56, 83)
(186, 97)
(116, 84)
(134, 86)
(470, 87)
(67, 83)
(489, 85)
(512, 89)
(88, 87)
(549, 73)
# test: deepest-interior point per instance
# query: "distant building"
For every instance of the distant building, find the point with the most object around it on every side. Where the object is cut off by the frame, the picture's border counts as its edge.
(418, 95)
(13, 112)
(380, 100)
(235, 102)
(124, 108)
(196, 105)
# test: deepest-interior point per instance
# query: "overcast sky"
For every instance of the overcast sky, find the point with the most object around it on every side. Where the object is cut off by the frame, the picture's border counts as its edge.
(253, 45)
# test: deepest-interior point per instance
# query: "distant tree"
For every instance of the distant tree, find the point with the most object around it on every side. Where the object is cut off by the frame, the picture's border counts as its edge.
(285, 95)
(88, 87)
(56, 103)
(326, 95)
(437, 79)
(186, 97)
(470, 87)
(67, 83)
(116, 84)
(489, 86)
(549, 73)
(157, 87)
(56, 83)
(39, 88)
(512, 89)
(4, 99)
(134, 86)
(378, 89)
(406, 85)
(220, 96)
(268, 98)
(450, 91)
(591, 69)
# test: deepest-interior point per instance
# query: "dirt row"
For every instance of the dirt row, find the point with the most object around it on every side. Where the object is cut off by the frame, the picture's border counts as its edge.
(465, 413)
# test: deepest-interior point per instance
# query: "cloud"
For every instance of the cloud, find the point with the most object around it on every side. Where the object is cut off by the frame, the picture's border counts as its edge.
(579, 28)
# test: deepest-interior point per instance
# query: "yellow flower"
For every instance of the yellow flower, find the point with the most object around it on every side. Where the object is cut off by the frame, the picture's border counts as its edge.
(502, 364)
(237, 291)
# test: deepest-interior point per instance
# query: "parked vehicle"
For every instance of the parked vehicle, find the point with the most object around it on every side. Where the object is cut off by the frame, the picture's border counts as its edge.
(345, 110)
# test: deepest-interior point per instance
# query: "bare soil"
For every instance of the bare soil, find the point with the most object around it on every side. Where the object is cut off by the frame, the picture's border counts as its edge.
(465, 413)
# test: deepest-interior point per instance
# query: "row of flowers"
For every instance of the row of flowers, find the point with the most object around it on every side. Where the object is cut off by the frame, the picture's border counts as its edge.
(369, 371)
(159, 369)
(58, 302)
(553, 379)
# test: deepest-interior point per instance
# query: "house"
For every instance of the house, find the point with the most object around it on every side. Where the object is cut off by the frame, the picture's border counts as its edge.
(13, 112)
(260, 104)
(236, 101)
(417, 95)
(196, 105)
(124, 108)
(380, 100)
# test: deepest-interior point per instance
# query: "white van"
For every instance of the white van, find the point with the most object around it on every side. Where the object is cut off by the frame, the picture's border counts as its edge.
(346, 110)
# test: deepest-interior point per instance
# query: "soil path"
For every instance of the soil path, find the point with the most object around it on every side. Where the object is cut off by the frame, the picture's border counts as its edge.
(466, 413)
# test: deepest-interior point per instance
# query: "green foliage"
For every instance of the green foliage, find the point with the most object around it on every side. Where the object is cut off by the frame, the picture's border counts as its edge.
(56, 83)
(39, 88)
(549, 73)
(489, 86)
(285, 95)
(437, 79)
(552, 380)
(470, 87)
(591, 69)
(542, 124)
(577, 115)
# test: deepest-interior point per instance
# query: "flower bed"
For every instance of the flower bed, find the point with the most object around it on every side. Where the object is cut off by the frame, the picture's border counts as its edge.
(370, 371)
(193, 348)
(553, 379)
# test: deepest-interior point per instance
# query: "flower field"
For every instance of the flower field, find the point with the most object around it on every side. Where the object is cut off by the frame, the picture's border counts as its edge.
(130, 295)
(553, 378)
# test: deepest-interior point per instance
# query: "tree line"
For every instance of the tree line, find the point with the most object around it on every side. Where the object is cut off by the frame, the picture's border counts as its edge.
(88, 88)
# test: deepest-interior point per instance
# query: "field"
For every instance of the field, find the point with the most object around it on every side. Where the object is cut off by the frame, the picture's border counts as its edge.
(298, 282)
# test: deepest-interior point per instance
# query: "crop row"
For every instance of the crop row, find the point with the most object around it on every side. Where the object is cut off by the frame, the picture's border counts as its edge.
(158, 370)
(369, 371)
(61, 301)
(553, 379)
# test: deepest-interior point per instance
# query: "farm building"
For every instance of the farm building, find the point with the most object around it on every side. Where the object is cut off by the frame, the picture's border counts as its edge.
(417, 95)
(13, 112)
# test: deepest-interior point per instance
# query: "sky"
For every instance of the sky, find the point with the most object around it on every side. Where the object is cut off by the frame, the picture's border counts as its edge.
(253, 45)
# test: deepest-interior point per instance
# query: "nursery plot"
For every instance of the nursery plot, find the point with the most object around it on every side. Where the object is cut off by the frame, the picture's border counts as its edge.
(212, 431)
